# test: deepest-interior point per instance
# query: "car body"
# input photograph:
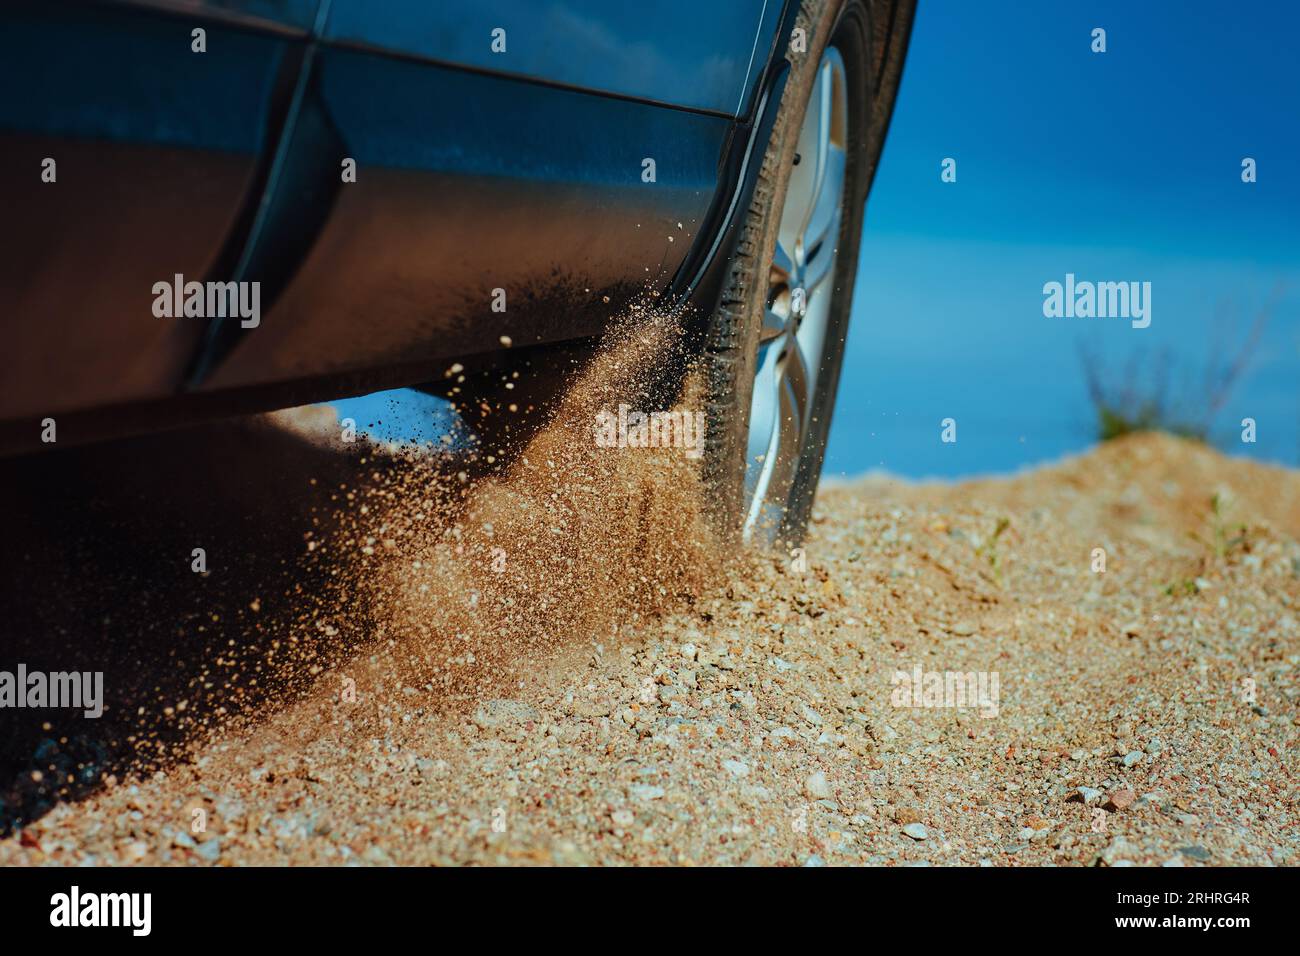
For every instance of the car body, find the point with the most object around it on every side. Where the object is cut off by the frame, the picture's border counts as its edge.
(501, 156)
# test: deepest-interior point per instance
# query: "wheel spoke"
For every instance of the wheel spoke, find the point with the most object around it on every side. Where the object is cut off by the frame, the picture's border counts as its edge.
(811, 337)
(822, 261)
(821, 145)
(761, 452)
(781, 459)
(795, 382)
(763, 418)
(823, 229)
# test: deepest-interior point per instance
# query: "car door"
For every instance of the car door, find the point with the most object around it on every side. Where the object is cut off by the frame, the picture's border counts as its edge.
(131, 148)
(522, 169)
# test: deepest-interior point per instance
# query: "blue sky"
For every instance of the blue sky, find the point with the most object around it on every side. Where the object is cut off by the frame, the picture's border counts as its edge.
(1123, 165)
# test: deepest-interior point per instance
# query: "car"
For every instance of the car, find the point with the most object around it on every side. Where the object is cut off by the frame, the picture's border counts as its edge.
(219, 207)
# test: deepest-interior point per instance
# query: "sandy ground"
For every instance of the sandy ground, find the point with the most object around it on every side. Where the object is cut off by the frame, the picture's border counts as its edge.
(761, 725)
(387, 659)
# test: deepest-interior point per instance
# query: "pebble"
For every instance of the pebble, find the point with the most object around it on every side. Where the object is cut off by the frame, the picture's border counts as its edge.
(1119, 852)
(623, 818)
(1085, 795)
(916, 831)
(818, 787)
(1118, 800)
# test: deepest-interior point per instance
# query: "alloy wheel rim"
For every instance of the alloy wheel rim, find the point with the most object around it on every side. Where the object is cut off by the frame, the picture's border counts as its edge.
(801, 278)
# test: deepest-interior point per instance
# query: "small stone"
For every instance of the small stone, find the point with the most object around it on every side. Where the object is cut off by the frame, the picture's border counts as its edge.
(736, 768)
(1132, 757)
(963, 629)
(818, 787)
(1085, 795)
(1195, 852)
(906, 815)
(623, 818)
(498, 714)
(1118, 800)
(916, 831)
(1119, 853)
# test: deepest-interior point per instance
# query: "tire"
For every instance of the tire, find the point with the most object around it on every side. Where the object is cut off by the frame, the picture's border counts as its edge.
(836, 30)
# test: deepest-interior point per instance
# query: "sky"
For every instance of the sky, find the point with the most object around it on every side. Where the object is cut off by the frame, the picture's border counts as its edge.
(1117, 166)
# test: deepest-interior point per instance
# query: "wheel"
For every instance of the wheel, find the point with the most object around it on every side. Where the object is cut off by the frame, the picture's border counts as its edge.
(774, 347)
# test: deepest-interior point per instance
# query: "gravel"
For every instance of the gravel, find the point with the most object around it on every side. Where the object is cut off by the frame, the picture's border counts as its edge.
(754, 721)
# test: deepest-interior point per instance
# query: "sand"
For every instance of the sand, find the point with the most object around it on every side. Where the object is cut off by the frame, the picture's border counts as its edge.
(757, 726)
(559, 665)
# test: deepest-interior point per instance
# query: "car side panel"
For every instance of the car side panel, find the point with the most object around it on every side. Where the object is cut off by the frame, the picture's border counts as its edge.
(467, 183)
(155, 150)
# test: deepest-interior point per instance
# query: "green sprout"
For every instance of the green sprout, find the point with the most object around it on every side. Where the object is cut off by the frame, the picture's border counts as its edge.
(989, 550)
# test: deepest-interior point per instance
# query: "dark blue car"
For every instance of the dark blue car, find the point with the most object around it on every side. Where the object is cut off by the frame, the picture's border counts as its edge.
(215, 207)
